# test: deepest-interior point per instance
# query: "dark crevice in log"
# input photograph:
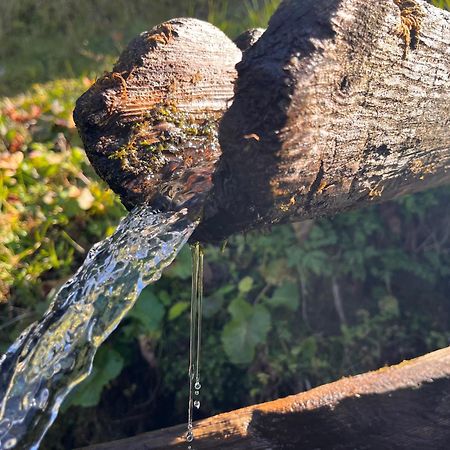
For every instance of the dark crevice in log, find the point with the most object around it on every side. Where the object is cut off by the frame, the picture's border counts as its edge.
(264, 90)
(315, 186)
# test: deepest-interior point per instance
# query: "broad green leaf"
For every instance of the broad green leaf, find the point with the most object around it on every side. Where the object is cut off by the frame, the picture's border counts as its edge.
(275, 271)
(245, 285)
(148, 310)
(245, 331)
(176, 310)
(286, 295)
(107, 365)
(182, 266)
(240, 308)
(212, 305)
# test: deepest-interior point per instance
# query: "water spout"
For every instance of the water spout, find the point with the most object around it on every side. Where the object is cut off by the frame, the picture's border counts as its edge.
(55, 354)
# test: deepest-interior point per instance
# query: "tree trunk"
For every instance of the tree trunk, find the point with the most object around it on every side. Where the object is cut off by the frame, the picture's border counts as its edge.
(332, 110)
(399, 407)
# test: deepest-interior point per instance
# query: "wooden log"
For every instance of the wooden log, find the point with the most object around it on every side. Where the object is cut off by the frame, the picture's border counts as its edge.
(400, 407)
(150, 126)
(330, 113)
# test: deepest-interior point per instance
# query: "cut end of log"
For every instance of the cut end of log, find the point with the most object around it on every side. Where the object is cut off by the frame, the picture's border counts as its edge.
(150, 126)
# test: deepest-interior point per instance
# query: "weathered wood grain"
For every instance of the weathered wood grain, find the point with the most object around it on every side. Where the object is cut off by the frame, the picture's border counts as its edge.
(403, 407)
(342, 118)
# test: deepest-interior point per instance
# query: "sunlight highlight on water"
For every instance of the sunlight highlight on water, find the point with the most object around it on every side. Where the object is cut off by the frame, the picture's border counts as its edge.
(55, 354)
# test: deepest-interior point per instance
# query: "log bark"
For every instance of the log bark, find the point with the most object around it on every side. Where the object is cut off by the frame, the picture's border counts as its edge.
(329, 113)
(150, 126)
(343, 117)
(399, 407)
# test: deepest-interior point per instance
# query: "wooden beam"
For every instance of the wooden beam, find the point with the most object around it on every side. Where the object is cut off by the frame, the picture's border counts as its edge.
(406, 407)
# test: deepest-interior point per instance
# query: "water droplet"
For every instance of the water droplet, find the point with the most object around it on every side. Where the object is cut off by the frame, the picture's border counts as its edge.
(189, 436)
(197, 385)
(197, 404)
(197, 392)
(190, 426)
(43, 399)
(56, 368)
(10, 443)
(189, 447)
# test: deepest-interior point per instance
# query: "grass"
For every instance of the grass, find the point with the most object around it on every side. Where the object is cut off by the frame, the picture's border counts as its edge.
(45, 40)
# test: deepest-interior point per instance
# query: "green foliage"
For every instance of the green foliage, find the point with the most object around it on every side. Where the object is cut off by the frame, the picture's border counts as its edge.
(108, 365)
(442, 4)
(248, 327)
(44, 40)
(53, 208)
(147, 313)
(285, 296)
(271, 321)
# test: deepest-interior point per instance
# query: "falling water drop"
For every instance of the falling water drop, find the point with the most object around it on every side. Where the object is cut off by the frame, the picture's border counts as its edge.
(10, 443)
(195, 334)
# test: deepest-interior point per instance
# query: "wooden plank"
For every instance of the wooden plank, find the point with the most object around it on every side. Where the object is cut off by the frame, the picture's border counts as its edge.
(406, 406)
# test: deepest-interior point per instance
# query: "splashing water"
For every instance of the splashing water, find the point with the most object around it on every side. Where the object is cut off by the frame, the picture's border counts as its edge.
(56, 353)
(195, 336)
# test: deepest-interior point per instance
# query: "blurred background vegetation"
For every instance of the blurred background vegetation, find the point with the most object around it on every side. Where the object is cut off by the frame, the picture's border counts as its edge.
(304, 304)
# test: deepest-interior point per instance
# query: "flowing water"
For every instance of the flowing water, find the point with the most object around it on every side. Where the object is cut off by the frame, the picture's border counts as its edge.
(55, 354)
(195, 336)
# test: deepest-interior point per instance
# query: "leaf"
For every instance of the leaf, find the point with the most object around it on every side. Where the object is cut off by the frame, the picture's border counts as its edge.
(182, 266)
(212, 305)
(247, 329)
(245, 285)
(176, 310)
(148, 310)
(275, 271)
(107, 365)
(389, 306)
(286, 295)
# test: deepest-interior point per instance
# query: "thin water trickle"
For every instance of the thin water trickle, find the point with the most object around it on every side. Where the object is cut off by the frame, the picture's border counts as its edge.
(195, 335)
(55, 354)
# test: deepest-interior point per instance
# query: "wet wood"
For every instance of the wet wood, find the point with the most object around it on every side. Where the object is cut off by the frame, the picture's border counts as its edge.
(400, 407)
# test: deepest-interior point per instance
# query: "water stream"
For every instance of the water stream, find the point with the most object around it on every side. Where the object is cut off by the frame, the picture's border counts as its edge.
(56, 353)
(195, 337)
